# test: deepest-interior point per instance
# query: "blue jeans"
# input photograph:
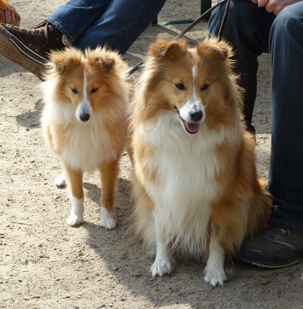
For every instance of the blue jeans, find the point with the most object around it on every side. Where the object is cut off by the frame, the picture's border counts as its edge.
(114, 23)
(252, 31)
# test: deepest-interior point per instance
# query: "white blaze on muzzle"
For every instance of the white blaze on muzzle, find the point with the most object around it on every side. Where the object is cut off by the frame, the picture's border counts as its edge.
(84, 110)
(193, 112)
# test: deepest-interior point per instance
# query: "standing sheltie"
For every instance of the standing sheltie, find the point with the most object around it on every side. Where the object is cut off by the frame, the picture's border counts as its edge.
(196, 187)
(85, 96)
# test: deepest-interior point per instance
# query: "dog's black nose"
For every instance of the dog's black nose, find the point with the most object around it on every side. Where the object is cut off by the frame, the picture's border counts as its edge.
(196, 116)
(84, 117)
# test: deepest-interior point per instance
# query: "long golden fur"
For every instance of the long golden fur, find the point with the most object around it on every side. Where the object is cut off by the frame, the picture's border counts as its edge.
(195, 181)
(84, 121)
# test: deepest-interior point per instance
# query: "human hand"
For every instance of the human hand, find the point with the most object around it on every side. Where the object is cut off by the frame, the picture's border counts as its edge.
(274, 6)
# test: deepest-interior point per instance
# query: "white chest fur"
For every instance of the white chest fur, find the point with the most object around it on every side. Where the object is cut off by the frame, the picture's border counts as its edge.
(88, 145)
(185, 166)
(85, 145)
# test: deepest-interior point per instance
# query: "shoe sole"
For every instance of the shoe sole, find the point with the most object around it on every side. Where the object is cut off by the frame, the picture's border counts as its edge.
(14, 50)
(282, 264)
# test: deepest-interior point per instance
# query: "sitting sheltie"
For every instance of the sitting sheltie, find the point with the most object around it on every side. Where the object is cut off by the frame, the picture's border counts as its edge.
(195, 182)
(84, 121)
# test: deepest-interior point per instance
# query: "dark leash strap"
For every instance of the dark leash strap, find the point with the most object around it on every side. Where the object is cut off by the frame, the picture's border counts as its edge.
(220, 34)
(193, 24)
(204, 15)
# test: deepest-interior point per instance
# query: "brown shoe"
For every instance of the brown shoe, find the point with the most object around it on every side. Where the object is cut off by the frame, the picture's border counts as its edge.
(29, 48)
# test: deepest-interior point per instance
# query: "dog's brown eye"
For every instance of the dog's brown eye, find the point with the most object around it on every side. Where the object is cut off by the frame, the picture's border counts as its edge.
(180, 86)
(204, 87)
(74, 90)
(94, 90)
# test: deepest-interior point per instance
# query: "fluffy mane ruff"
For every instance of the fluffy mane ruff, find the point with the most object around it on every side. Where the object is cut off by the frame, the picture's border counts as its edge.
(191, 188)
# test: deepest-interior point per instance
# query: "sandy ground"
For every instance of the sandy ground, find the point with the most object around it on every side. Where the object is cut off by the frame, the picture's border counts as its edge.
(44, 263)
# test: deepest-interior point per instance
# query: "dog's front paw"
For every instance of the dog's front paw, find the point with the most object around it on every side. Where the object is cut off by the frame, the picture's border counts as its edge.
(214, 276)
(74, 220)
(107, 219)
(162, 267)
(61, 181)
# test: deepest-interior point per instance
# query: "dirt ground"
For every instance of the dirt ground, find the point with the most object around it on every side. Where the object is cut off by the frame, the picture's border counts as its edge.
(44, 263)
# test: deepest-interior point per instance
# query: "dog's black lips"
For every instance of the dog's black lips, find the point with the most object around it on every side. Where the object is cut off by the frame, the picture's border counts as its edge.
(184, 122)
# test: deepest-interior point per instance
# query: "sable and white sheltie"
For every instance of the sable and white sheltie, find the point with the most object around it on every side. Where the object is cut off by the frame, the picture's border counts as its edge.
(84, 121)
(195, 182)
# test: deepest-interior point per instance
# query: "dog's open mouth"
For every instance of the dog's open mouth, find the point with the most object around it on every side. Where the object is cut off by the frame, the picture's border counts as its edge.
(191, 128)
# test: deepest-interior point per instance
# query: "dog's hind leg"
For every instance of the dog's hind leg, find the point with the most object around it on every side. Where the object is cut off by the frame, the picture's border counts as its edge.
(76, 187)
(61, 181)
(109, 173)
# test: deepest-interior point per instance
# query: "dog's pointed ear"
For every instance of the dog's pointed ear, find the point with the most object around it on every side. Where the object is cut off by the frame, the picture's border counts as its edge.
(167, 49)
(64, 61)
(106, 62)
(61, 65)
(219, 48)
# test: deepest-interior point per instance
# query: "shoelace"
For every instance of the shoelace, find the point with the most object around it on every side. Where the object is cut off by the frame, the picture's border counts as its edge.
(42, 29)
(35, 31)
(273, 232)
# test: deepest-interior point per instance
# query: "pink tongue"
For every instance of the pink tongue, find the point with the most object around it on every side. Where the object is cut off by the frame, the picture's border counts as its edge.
(192, 127)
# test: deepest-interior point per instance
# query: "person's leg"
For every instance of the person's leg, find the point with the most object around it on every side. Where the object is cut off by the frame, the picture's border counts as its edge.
(29, 48)
(247, 28)
(119, 25)
(286, 161)
(76, 16)
(281, 243)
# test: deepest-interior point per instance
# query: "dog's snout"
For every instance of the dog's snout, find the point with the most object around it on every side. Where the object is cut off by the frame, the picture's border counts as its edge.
(196, 115)
(84, 117)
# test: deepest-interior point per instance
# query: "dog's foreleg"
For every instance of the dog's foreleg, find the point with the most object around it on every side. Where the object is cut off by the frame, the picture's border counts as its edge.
(76, 187)
(214, 271)
(164, 262)
(109, 172)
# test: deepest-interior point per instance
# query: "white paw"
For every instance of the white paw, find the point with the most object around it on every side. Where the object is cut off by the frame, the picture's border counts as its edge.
(61, 181)
(76, 215)
(162, 267)
(214, 270)
(214, 276)
(74, 220)
(107, 219)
